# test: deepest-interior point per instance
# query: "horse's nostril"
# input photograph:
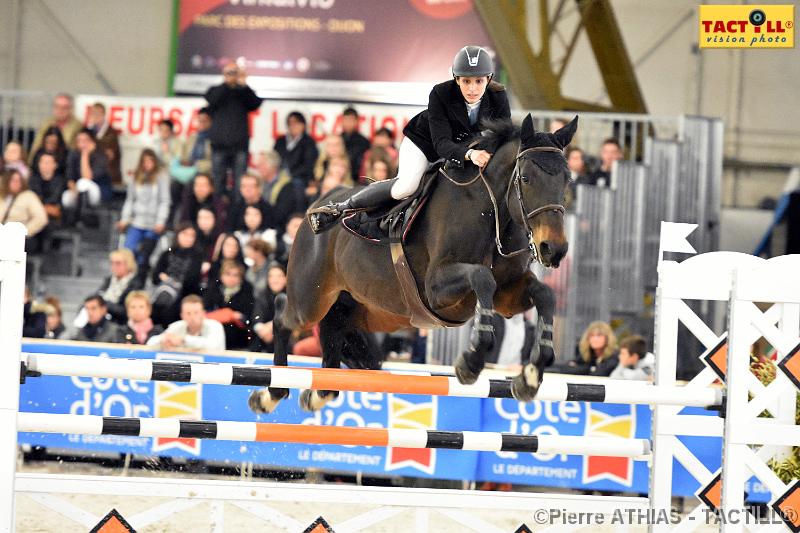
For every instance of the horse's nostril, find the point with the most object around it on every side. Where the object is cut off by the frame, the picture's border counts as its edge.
(544, 248)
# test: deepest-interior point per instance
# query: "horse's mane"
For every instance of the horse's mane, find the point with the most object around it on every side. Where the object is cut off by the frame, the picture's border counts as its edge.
(495, 134)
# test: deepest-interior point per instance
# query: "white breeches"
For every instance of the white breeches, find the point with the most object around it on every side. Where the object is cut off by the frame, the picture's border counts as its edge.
(412, 165)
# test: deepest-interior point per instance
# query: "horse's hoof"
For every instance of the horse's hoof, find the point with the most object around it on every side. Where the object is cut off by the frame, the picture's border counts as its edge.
(262, 401)
(521, 390)
(313, 401)
(465, 375)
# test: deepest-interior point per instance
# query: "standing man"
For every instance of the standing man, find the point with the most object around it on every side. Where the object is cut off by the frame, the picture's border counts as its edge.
(355, 143)
(228, 104)
(64, 119)
(107, 140)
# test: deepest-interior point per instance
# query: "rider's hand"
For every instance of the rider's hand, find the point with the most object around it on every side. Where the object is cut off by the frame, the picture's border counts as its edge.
(480, 157)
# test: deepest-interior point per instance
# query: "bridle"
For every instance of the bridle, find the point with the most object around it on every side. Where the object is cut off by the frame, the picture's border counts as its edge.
(527, 215)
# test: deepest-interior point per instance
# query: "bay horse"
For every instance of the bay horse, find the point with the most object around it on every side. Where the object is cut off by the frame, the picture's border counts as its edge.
(458, 248)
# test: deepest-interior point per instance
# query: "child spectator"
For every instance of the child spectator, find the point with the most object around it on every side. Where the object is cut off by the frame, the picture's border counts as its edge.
(14, 157)
(635, 362)
(140, 328)
(230, 302)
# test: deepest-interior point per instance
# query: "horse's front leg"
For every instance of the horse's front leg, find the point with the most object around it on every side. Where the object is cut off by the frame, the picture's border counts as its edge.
(526, 293)
(448, 285)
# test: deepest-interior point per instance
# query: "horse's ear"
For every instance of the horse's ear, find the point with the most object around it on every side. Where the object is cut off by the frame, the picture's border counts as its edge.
(527, 131)
(564, 135)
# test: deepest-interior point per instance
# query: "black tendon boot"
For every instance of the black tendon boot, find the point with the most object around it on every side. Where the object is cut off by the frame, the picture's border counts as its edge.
(324, 217)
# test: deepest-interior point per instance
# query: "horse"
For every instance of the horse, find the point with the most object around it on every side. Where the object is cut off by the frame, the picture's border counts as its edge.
(459, 250)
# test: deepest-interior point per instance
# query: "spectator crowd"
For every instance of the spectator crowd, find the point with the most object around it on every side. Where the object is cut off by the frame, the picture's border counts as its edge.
(229, 212)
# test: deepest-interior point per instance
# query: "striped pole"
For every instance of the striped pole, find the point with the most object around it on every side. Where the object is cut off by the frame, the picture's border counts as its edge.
(342, 435)
(552, 389)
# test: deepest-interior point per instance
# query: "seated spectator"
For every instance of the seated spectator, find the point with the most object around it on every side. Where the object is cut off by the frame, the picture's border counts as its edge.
(144, 214)
(34, 321)
(168, 148)
(576, 164)
(207, 235)
(97, 328)
(229, 249)
(336, 176)
(383, 139)
(197, 148)
(140, 328)
(257, 254)
(14, 158)
(298, 151)
(55, 325)
(193, 331)
(596, 354)
(63, 119)
(176, 274)
(287, 239)
(107, 140)
(635, 362)
(249, 195)
(264, 310)
(201, 194)
(254, 228)
(230, 302)
(355, 143)
(380, 166)
(332, 148)
(609, 153)
(279, 191)
(49, 185)
(53, 144)
(116, 287)
(18, 204)
(88, 175)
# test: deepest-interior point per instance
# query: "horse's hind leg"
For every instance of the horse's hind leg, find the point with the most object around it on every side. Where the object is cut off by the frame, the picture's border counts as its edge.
(266, 400)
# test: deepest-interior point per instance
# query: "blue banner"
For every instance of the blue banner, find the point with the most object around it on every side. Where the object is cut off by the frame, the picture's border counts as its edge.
(131, 398)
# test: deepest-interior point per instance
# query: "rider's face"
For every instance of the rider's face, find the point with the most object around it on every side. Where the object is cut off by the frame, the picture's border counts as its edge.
(472, 87)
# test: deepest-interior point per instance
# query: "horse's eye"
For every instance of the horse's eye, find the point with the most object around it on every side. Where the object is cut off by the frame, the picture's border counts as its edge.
(525, 179)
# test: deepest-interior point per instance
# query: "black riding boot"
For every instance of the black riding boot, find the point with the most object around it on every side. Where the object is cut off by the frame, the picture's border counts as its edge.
(373, 195)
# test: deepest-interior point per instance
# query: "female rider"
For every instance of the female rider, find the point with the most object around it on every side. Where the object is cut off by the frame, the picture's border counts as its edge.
(455, 111)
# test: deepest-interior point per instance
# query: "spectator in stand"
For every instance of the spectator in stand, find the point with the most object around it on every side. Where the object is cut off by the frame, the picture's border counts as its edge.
(63, 119)
(144, 214)
(54, 145)
(97, 328)
(140, 328)
(250, 194)
(229, 104)
(596, 354)
(14, 158)
(556, 124)
(609, 152)
(379, 165)
(229, 249)
(257, 253)
(208, 235)
(107, 140)
(577, 169)
(193, 331)
(336, 176)
(201, 194)
(49, 185)
(230, 302)
(176, 274)
(116, 287)
(34, 321)
(278, 189)
(55, 326)
(298, 151)
(197, 148)
(264, 310)
(332, 148)
(383, 139)
(88, 176)
(635, 362)
(18, 204)
(355, 143)
(169, 148)
(287, 239)
(254, 228)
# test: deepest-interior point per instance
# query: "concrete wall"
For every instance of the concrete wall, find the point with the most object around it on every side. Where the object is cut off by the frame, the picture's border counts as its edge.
(62, 45)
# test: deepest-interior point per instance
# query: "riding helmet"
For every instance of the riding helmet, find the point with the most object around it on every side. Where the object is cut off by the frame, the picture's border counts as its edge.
(473, 61)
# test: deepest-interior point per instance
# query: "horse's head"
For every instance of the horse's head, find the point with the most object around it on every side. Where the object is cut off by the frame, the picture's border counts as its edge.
(538, 186)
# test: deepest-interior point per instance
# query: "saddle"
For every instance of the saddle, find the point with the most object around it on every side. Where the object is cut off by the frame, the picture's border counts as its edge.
(390, 227)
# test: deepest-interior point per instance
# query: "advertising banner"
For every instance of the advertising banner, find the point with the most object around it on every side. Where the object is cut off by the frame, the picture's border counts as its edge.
(348, 50)
(131, 398)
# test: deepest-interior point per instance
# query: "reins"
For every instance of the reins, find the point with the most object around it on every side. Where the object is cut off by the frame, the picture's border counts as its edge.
(531, 249)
